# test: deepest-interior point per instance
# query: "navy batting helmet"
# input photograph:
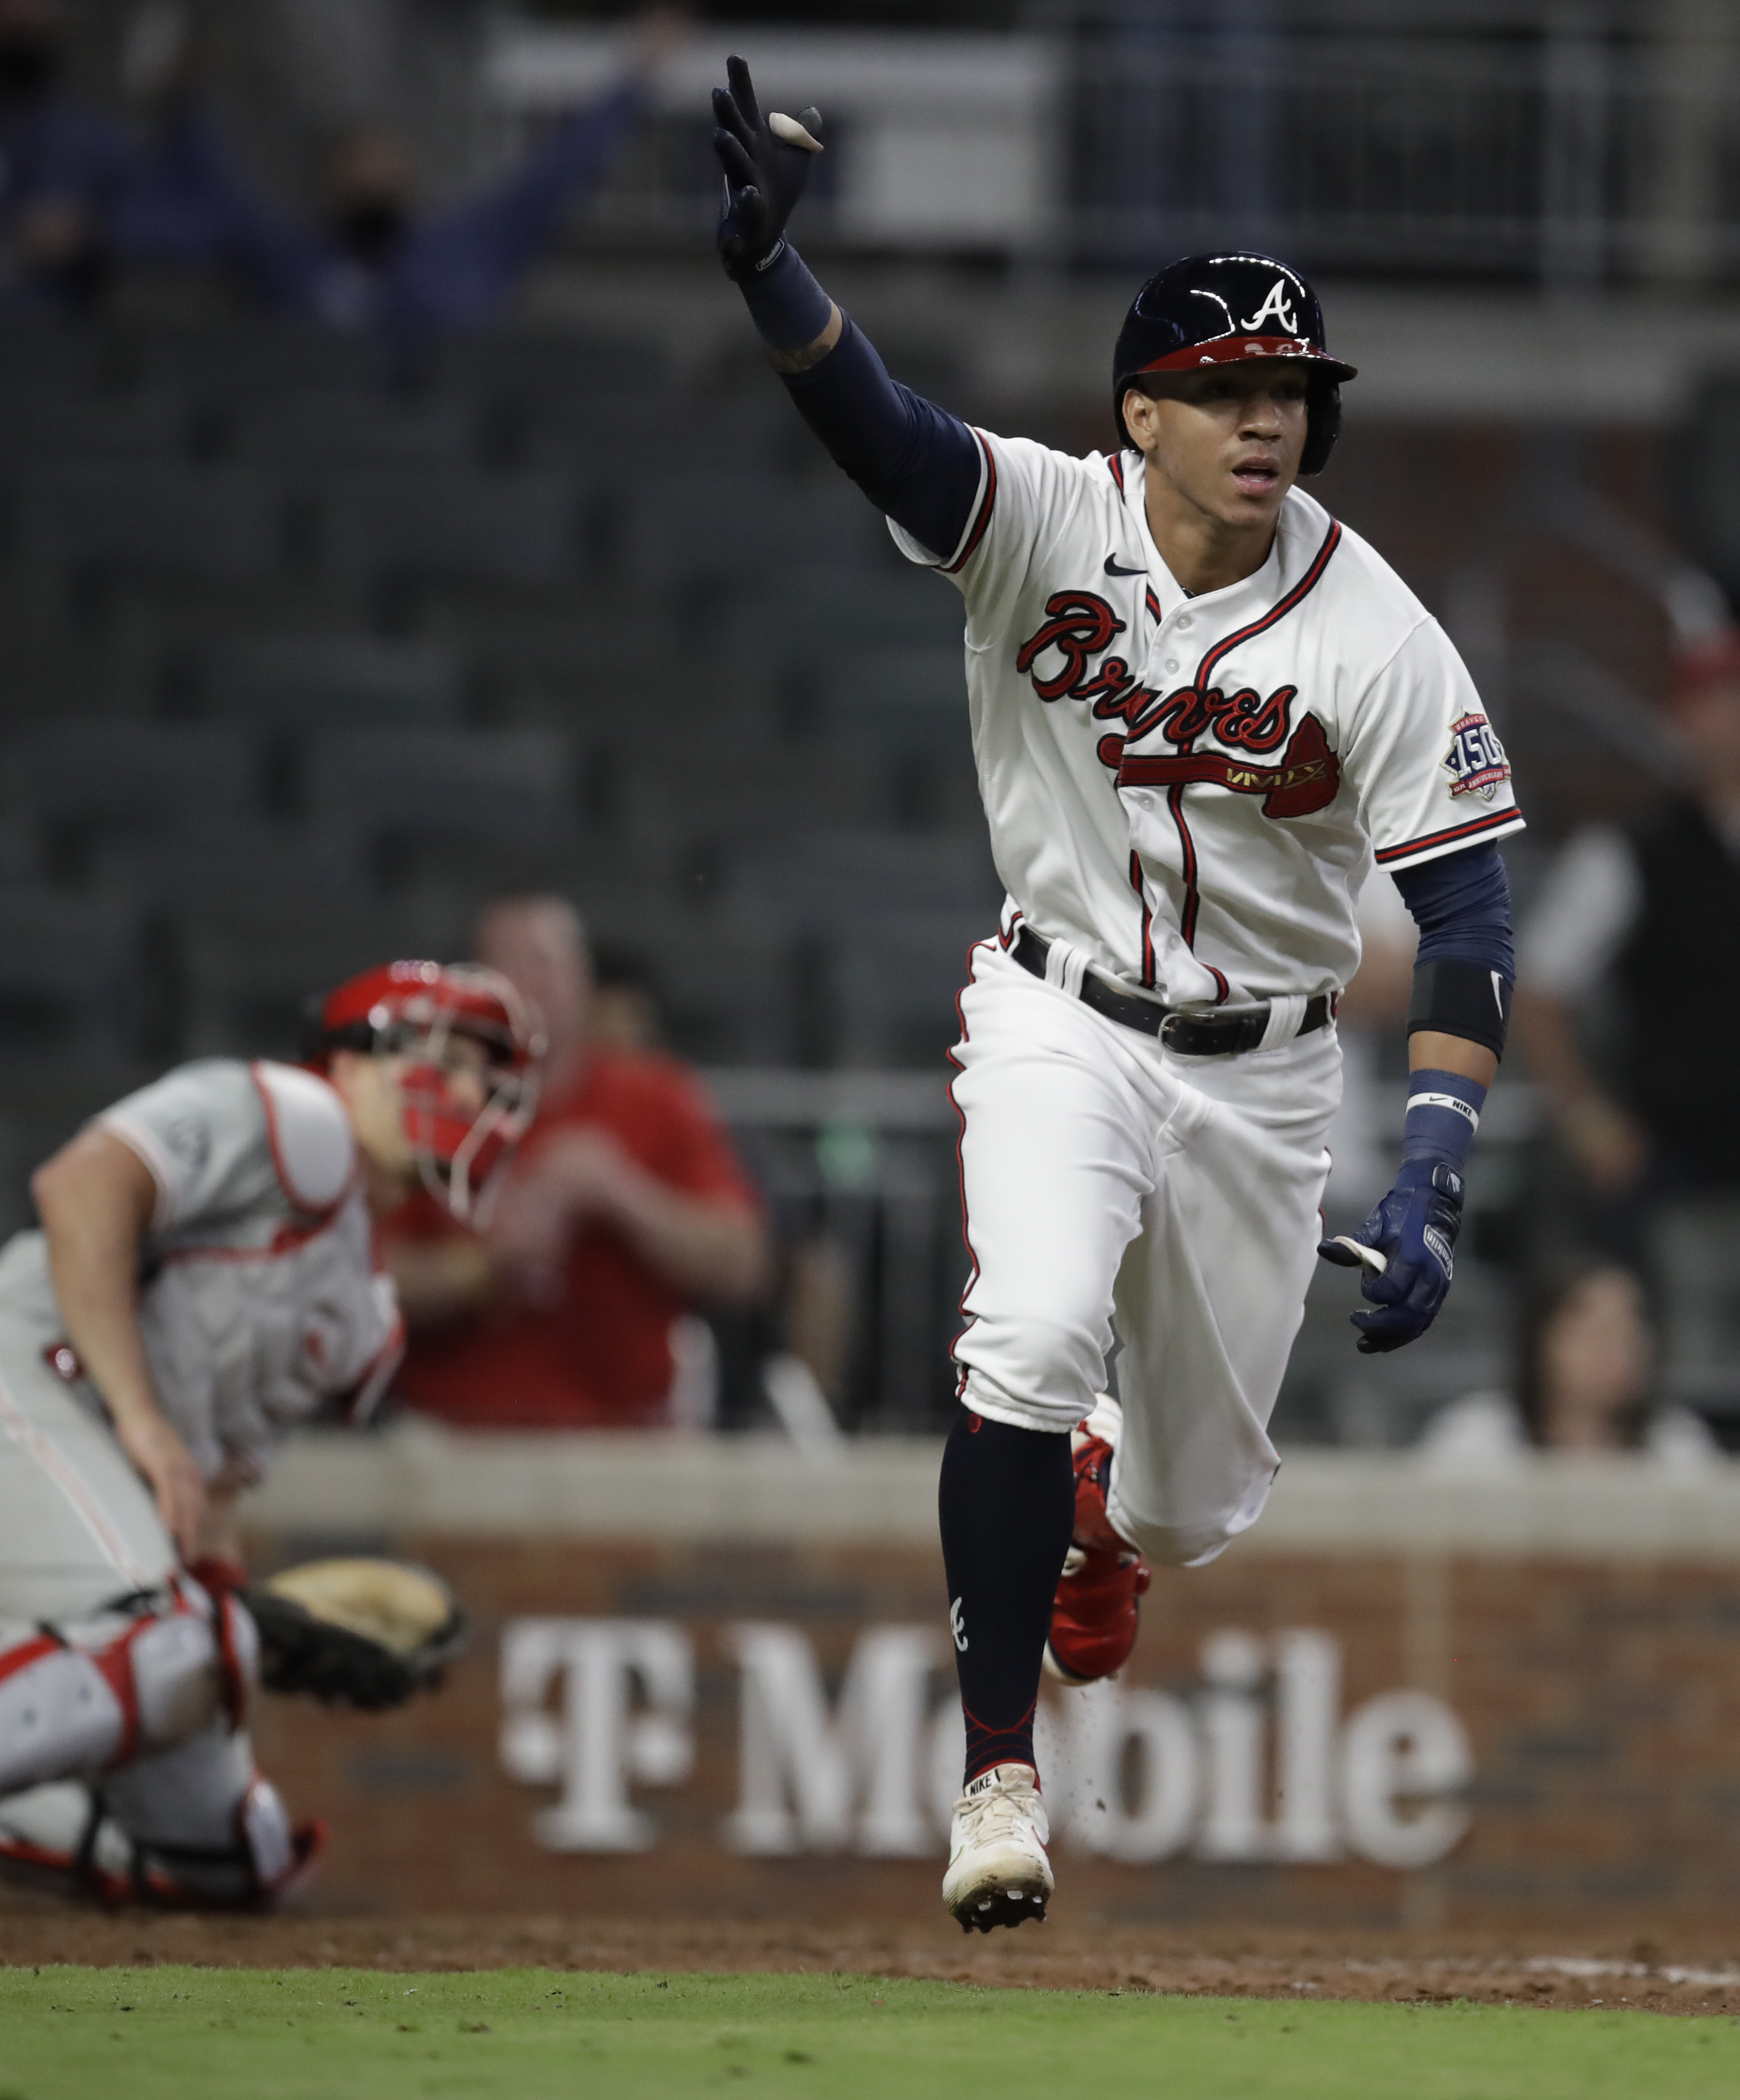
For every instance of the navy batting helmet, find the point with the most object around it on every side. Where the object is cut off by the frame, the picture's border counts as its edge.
(1220, 310)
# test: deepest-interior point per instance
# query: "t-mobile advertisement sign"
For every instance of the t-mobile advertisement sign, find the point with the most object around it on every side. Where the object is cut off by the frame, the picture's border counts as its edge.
(1260, 1758)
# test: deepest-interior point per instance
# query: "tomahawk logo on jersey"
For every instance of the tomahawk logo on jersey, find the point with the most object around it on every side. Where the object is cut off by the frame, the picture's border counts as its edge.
(1236, 763)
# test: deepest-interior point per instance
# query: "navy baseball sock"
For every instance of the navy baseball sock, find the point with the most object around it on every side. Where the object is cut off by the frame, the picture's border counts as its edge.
(1007, 1505)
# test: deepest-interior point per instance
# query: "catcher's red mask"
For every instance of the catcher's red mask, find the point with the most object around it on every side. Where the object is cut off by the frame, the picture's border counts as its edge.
(464, 1115)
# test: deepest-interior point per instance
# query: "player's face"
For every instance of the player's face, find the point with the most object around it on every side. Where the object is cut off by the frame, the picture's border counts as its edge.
(1228, 438)
(373, 1090)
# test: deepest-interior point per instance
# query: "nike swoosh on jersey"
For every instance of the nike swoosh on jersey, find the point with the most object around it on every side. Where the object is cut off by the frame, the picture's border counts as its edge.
(1114, 567)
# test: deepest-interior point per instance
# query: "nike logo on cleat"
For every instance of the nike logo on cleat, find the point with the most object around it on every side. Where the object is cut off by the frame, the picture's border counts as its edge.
(1114, 567)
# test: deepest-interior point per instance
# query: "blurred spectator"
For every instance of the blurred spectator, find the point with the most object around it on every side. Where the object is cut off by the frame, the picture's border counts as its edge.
(1586, 1370)
(374, 260)
(627, 1206)
(65, 170)
(624, 1001)
(1636, 937)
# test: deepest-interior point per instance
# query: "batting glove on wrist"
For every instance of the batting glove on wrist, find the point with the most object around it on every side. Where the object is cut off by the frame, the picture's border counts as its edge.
(1415, 1229)
(766, 161)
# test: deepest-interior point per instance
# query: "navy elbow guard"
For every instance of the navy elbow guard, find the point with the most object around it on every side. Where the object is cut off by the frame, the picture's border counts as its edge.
(1461, 999)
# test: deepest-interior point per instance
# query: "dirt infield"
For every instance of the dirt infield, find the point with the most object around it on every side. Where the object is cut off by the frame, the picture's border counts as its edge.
(1058, 1956)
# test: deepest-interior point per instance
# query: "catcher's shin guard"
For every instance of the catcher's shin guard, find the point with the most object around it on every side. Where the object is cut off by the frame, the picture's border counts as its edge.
(138, 1678)
(1094, 1617)
(215, 1851)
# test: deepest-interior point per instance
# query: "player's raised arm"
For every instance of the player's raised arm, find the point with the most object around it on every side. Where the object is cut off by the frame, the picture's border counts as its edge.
(914, 462)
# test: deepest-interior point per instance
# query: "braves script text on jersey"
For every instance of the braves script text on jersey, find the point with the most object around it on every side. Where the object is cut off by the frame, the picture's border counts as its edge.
(1201, 793)
(1185, 795)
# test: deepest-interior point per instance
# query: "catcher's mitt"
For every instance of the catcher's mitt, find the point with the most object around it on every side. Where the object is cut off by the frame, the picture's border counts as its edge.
(355, 1633)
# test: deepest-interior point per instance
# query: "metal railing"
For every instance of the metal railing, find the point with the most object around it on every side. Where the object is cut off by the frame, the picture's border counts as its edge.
(1557, 151)
(1547, 144)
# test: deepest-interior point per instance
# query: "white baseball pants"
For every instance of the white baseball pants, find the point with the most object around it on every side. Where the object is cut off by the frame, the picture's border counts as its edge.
(1114, 1190)
(113, 1667)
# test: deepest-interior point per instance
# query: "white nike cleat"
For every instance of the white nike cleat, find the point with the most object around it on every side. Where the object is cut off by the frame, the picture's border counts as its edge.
(998, 1874)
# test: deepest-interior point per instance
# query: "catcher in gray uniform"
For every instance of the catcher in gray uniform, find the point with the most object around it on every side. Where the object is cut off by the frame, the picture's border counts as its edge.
(203, 1278)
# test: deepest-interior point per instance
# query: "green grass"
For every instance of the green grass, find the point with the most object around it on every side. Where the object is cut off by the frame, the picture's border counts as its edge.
(346, 2034)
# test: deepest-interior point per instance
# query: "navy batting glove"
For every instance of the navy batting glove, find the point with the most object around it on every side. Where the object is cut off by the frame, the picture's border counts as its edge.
(766, 162)
(1415, 1229)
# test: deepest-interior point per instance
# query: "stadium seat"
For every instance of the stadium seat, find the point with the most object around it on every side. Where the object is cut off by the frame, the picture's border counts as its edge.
(805, 618)
(728, 790)
(151, 519)
(530, 369)
(724, 987)
(82, 781)
(754, 526)
(263, 863)
(513, 529)
(330, 682)
(893, 982)
(875, 684)
(247, 972)
(246, 361)
(39, 355)
(401, 785)
(843, 879)
(51, 424)
(70, 977)
(303, 437)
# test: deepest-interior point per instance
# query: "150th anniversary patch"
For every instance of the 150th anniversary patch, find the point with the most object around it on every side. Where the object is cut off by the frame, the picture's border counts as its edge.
(1475, 760)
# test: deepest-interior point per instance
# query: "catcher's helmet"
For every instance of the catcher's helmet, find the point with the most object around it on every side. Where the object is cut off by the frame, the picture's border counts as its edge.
(411, 1009)
(1220, 310)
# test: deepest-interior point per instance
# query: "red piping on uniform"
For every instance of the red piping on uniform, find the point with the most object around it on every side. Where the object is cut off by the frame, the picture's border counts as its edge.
(67, 1477)
(1467, 831)
(1148, 922)
(298, 1201)
(1279, 611)
(1225, 990)
(1115, 460)
(1192, 895)
(985, 504)
(1204, 670)
(968, 1320)
(1154, 603)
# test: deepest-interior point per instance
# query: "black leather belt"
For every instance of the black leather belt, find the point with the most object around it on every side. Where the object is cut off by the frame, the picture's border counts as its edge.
(1193, 1033)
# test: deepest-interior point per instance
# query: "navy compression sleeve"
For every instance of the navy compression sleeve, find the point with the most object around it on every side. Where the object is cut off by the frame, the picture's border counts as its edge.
(914, 462)
(1466, 966)
(1461, 905)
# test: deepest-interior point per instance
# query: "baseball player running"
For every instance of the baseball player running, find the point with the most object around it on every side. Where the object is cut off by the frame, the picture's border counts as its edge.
(1202, 712)
(205, 1276)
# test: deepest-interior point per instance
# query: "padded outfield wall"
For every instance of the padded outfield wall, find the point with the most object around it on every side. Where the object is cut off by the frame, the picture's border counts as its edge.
(709, 1679)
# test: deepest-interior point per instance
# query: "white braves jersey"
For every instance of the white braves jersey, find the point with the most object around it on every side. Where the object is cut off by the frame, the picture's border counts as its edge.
(261, 1296)
(1188, 793)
